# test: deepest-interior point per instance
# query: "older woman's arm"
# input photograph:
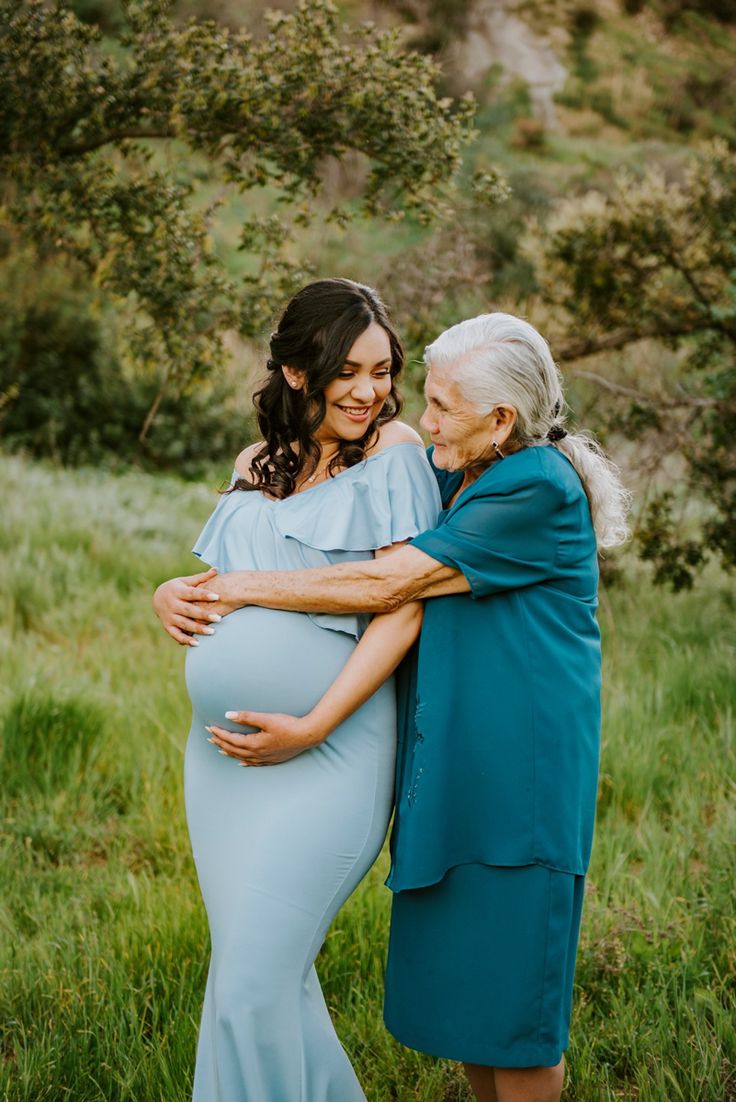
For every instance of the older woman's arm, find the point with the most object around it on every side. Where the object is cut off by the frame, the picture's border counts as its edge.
(381, 585)
(496, 540)
(279, 737)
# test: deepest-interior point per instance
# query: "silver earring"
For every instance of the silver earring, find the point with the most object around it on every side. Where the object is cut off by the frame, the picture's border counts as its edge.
(497, 450)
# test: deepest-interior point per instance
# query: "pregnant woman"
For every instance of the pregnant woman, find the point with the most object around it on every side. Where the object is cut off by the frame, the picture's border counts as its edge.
(278, 851)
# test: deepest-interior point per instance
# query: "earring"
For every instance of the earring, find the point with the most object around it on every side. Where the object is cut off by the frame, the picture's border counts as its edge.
(497, 450)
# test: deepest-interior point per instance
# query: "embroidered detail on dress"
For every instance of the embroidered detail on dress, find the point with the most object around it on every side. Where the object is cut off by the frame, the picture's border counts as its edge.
(412, 793)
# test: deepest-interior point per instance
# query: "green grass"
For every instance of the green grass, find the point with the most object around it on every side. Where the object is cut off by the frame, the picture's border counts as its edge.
(103, 942)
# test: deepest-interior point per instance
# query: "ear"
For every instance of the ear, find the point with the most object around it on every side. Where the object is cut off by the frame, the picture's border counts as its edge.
(503, 419)
(294, 378)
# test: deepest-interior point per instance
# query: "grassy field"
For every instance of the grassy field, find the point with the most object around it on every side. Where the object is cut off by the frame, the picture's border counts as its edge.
(103, 946)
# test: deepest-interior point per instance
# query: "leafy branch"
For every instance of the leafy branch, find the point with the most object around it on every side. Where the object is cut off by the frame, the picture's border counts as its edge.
(82, 121)
(655, 261)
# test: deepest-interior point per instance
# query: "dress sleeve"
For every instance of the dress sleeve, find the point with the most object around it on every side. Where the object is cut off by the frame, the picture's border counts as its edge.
(210, 542)
(502, 538)
(387, 499)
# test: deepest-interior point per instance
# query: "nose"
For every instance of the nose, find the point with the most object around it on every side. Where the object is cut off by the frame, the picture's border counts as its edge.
(363, 390)
(428, 422)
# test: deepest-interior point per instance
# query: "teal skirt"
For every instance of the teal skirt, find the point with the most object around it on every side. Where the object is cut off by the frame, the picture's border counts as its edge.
(480, 966)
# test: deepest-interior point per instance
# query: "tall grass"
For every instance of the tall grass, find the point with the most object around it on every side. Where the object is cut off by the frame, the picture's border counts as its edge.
(103, 945)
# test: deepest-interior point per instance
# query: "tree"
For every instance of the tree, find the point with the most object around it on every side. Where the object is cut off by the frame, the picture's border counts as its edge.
(83, 118)
(656, 261)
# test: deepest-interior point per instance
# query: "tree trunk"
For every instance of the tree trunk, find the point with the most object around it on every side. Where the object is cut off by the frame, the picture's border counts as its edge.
(151, 415)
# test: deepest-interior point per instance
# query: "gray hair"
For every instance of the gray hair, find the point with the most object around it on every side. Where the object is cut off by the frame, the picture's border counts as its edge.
(498, 359)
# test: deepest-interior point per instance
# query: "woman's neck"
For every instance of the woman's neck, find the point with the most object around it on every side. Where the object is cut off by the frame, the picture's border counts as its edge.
(471, 474)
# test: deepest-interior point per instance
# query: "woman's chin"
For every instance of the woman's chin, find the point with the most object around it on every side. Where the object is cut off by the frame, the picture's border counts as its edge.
(440, 458)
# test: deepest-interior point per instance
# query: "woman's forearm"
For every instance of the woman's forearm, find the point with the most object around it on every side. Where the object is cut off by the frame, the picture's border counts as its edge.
(379, 585)
(382, 647)
(349, 587)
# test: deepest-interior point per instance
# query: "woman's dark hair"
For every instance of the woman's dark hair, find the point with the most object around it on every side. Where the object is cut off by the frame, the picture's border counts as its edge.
(317, 330)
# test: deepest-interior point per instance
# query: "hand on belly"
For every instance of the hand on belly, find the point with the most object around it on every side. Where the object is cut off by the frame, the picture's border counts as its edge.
(263, 660)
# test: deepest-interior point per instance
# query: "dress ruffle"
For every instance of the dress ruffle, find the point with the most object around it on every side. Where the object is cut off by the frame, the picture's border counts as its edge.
(224, 539)
(388, 498)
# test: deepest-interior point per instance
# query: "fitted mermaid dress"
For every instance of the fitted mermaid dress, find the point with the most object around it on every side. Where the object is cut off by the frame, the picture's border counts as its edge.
(279, 849)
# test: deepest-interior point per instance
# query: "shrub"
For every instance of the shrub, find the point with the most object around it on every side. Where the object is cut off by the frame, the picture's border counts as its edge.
(528, 133)
(64, 393)
(584, 21)
(56, 378)
(106, 13)
(674, 10)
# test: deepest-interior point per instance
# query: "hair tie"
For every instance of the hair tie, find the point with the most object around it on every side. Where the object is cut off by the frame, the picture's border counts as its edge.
(557, 432)
(273, 365)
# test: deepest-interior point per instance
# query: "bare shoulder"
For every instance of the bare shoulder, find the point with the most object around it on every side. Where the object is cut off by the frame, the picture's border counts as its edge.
(244, 460)
(396, 432)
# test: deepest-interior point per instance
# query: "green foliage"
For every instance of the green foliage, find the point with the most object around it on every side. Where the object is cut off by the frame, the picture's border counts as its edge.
(501, 235)
(64, 393)
(674, 558)
(435, 23)
(656, 260)
(529, 133)
(583, 22)
(82, 118)
(699, 93)
(106, 13)
(429, 286)
(673, 10)
(54, 380)
(104, 947)
(45, 742)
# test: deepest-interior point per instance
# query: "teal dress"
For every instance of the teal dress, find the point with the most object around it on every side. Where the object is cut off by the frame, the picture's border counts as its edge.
(279, 850)
(497, 771)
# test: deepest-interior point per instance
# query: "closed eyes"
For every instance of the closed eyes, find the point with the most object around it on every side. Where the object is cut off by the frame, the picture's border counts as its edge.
(379, 373)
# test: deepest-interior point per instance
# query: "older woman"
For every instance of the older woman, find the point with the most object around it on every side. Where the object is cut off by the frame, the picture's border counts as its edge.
(500, 716)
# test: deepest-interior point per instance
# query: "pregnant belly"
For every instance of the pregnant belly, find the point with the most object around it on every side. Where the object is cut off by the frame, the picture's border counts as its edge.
(265, 660)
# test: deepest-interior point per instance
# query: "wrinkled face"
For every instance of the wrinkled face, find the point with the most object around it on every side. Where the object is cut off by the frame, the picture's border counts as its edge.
(355, 398)
(461, 436)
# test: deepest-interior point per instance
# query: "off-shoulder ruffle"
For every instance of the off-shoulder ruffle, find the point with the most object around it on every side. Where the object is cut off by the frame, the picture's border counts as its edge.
(388, 498)
(210, 546)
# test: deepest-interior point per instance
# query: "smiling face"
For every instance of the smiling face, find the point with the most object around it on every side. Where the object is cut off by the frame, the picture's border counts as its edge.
(462, 437)
(354, 399)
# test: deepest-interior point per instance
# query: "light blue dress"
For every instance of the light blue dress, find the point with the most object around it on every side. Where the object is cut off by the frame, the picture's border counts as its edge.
(278, 850)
